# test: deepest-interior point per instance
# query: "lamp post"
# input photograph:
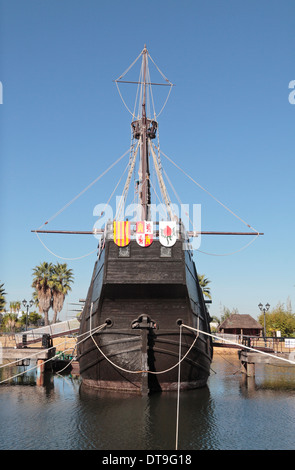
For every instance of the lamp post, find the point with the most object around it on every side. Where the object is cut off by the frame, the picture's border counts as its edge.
(264, 309)
(27, 305)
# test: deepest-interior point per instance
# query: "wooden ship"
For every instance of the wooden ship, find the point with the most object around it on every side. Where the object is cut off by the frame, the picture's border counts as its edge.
(145, 326)
(144, 287)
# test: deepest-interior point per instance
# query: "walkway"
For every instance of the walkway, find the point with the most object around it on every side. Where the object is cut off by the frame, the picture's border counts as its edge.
(63, 328)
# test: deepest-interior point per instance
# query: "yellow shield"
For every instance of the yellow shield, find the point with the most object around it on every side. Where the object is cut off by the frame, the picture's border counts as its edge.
(122, 233)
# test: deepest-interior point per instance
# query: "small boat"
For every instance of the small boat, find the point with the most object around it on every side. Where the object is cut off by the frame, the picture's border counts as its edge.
(144, 288)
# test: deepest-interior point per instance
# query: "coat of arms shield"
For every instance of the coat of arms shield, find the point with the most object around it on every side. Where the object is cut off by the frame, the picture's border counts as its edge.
(122, 233)
(144, 233)
(167, 233)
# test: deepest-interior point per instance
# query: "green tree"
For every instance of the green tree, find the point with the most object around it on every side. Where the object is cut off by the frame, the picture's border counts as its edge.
(2, 297)
(42, 283)
(9, 321)
(62, 277)
(279, 319)
(203, 281)
(32, 319)
(15, 306)
(35, 297)
(51, 284)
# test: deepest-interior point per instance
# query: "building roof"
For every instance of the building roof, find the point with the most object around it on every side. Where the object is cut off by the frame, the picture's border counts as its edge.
(240, 321)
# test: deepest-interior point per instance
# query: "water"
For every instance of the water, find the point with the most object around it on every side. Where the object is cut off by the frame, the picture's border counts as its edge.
(232, 413)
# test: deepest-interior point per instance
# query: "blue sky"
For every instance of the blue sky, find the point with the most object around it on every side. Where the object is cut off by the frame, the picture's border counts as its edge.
(228, 123)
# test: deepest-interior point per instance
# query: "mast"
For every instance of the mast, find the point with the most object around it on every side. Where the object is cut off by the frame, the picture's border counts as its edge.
(145, 174)
(143, 130)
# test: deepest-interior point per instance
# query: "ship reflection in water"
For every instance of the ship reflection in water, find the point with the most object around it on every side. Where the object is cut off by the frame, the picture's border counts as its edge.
(231, 413)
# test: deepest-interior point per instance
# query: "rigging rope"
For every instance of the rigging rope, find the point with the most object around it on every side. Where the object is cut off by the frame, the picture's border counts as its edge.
(62, 257)
(123, 99)
(211, 195)
(130, 66)
(219, 202)
(232, 252)
(162, 185)
(166, 79)
(140, 82)
(85, 189)
(100, 327)
(178, 392)
(113, 192)
(143, 371)
(238, 344)
(127, 184)
(91, 252)
(137, 371)
(74, 199)
(119, 91)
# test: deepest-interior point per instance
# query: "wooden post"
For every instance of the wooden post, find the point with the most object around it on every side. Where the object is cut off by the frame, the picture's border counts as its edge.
(40, 371)
(244, 367)
(248, 368)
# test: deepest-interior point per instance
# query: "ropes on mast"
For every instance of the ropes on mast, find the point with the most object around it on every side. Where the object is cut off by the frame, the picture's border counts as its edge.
(211, 195)
(84, 190)
(162, 184)
(144, 90)
(141, 83)
(127, 184)
(93, 251)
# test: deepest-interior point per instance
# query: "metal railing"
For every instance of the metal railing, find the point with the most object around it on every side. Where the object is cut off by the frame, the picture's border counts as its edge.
(276, 344)
(57, 329)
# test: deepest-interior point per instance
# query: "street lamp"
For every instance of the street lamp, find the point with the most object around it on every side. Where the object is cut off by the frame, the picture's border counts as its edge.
(27, 305)
(264, 309)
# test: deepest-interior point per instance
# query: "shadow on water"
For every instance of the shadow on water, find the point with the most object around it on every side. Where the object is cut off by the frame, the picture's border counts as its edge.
(124, 421)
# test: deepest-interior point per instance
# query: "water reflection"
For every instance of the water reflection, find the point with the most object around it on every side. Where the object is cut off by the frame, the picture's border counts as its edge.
(232, 412)
(123, 421)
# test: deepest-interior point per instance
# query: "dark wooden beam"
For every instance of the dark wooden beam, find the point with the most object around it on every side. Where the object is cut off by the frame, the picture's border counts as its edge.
(99, 231)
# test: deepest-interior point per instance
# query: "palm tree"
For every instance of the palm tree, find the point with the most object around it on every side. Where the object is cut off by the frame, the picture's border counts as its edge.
(10, 320)
(203, 281)
(2, 297)
(62, 277)
(35, 297)
(12, 307)
(42, 282)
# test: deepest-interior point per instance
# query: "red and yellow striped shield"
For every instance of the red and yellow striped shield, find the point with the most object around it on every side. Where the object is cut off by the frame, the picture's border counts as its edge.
(122, 233)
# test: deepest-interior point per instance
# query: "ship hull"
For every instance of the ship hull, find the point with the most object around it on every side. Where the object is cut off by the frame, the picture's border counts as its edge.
(133, 322)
